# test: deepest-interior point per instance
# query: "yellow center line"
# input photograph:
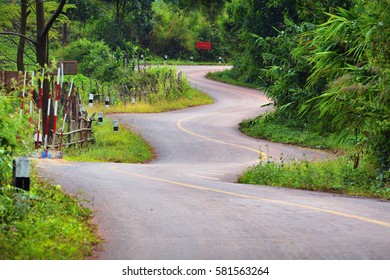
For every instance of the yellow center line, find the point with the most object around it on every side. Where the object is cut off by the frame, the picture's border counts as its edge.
(273, 201)
(214, 84)
(180, 126)
(254, 95)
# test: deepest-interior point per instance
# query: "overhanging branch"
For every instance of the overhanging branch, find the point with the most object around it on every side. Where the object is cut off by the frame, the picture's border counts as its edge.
(52, 20)
(24, 51)
(20, 35)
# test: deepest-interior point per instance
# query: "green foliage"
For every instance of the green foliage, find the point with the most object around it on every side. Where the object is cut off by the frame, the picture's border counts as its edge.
(333, 77)
(44, 223)
(161, 83)
(274, 128)
(240, 20)
(7, 11)
(173, 33)
(120, 22)
(350, 51)
(14, 133)
(177, 30)
(326, 70)
(211, 7)
(85, 9)
(284, 76)
(94, 58)
(227, 77)
(337, 176)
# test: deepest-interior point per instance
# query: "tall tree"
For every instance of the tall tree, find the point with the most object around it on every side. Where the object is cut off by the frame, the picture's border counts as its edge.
(41, 43)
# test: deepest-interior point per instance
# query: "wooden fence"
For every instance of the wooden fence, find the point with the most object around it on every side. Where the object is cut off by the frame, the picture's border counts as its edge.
(76, 124)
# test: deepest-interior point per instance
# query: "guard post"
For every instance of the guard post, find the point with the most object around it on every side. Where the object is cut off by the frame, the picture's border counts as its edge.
(90, 100)
(100, 118)
(21, 173)
(116, 126)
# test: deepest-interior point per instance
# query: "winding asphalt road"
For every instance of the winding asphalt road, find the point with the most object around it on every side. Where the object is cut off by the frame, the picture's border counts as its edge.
(185, 204)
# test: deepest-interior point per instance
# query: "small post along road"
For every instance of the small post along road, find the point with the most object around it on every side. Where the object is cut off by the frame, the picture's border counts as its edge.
(185, 204)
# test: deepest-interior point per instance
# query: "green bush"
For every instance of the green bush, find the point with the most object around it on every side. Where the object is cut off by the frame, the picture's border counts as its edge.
(44, 223)
(94, 58)
(14, 134)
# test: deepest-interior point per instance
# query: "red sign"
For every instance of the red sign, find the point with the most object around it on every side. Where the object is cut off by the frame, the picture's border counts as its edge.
(203, 45)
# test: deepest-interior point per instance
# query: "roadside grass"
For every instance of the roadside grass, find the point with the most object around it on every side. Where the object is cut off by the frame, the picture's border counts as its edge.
(160, 61)
(270, 128)
(226, 77)
(126, 146)
(194, 98)
(123, 146)
(335, 176)
(44, 224)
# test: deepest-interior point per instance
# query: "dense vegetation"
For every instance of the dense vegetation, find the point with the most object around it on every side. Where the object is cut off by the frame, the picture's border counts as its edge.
(44, 223)
(325, 65)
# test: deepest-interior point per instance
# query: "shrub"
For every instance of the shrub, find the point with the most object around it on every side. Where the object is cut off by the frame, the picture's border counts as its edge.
(14, 132)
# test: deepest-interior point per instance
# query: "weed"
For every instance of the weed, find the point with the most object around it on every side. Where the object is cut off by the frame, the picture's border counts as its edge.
(336, 176)
(44, 223)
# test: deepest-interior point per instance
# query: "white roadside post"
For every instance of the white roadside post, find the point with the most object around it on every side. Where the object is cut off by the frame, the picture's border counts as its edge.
(100, 118)
(90, 100)
(21, 173)
(116, 126)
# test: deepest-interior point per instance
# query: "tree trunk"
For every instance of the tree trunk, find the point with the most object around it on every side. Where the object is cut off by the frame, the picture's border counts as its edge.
(41, 49)
(41, 46)
(64, 34)
(22, 40)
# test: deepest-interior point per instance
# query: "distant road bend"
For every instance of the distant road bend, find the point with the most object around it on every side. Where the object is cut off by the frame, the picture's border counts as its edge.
(185, 204)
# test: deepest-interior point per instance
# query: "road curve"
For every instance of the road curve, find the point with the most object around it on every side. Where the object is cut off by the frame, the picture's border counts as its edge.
(185, 204)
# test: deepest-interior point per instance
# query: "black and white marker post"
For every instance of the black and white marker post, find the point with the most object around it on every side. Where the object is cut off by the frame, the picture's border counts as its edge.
(100, 118)
(116, 126)
(21, 173)
(107, 102)
(90, 100)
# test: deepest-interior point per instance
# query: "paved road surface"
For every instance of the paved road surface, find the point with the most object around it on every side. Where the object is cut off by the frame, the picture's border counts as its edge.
(185, 204)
